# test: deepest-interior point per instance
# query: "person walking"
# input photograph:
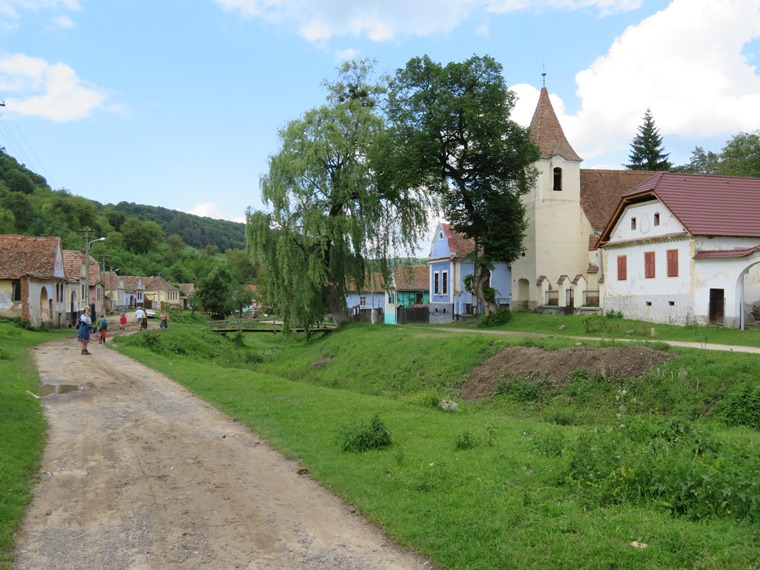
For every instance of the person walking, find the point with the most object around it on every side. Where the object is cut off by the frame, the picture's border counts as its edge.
(164, 320)
(83, 330)
(139, 317)
(122, 320)
(102, 328)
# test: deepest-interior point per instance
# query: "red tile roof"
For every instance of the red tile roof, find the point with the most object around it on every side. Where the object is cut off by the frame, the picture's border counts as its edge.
(25, 256)
(726, 253)
(602, 190)
(412, 277)
(547, 132)
(459, 245)
(706, 205)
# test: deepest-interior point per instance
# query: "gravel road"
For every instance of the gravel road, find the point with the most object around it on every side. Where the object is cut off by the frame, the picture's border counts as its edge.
(139, 474)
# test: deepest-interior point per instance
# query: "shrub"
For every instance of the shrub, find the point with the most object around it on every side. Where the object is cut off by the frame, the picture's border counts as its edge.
(500, 317)
(466, 440)
(363, 437)
(742, 407)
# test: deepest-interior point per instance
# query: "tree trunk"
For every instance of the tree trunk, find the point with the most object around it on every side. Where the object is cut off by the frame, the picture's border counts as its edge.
(335, 305)
(480, 278)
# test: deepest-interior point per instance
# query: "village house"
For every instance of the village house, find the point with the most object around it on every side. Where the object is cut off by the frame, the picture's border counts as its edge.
(408, 294)
(32, 280)
(91, 291)
(684, 248)
(449, 267)
(158, 291)
(115, 296)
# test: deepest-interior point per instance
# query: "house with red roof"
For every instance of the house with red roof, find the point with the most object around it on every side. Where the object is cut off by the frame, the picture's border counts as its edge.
(566, 212)
(32, 279)
(409, 287)
(77, 293)
(449, 267)
(684, 248)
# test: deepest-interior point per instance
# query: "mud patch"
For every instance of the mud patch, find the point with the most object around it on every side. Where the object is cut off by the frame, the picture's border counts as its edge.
(531, 363)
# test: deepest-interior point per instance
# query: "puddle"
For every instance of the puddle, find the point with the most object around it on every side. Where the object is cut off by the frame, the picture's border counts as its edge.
(56, 389)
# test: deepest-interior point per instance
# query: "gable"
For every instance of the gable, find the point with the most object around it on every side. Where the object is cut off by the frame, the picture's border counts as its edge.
(449, 243)
(26, 256)
(644, 220)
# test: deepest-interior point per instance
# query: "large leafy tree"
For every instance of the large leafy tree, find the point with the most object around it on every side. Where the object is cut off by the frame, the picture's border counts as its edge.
(327, 213)
(451, 132)
(647, 152)
(740, 157)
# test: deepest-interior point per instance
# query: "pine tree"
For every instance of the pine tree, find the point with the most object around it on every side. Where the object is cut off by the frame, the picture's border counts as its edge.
(646, 148)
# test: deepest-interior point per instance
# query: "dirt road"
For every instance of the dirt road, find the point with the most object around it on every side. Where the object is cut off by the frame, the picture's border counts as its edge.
(139, 474)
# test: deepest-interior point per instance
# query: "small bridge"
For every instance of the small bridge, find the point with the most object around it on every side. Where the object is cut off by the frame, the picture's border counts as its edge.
(263, 326)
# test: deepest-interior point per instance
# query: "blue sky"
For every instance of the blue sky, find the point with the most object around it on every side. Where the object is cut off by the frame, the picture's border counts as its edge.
(177, 103)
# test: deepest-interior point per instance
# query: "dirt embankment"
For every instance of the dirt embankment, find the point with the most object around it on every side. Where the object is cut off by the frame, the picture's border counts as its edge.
(139, 474)
(531, 363)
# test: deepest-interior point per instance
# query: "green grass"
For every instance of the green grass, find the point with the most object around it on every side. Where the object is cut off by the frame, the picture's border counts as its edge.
(502, 483)
(509, 498)
(599, 326)
(22, 429)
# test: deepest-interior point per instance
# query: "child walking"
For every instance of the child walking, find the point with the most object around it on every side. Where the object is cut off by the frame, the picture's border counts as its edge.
(103, 326)
(122, 320)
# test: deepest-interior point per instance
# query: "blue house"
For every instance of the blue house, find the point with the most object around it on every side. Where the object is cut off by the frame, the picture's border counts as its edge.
(371, 297)
(449, 298)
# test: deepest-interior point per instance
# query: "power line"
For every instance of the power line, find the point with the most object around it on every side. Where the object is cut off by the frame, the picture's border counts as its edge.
(16, 146)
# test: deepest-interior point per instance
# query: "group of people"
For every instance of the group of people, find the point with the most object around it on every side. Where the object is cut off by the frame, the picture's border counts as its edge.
(85, 326)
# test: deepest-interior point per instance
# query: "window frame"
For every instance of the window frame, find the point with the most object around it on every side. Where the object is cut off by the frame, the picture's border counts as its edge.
(672, 258)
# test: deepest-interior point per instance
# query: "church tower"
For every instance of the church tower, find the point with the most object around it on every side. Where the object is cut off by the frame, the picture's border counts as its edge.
(557, 236)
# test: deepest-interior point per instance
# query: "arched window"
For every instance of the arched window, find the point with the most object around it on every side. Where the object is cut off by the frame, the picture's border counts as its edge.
(557, 179)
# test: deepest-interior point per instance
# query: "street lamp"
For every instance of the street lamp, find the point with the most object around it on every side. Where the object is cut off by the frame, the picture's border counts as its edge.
(87, 270)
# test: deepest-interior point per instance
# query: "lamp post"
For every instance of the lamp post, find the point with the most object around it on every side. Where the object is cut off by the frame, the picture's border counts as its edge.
(87, 270)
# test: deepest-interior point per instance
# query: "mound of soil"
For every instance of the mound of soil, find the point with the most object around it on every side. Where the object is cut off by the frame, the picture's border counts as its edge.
(531, 363)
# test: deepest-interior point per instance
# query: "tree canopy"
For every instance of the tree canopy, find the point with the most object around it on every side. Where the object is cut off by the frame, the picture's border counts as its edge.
(328, 213)
(451, 132)
(647, 152)
(739, 157)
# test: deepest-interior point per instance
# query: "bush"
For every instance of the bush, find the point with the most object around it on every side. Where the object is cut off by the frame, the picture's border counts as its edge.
(742, 407)
(500, 317)
(363, 437)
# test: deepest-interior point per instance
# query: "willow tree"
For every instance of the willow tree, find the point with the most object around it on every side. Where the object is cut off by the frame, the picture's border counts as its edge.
(451, 130)
(328, 211)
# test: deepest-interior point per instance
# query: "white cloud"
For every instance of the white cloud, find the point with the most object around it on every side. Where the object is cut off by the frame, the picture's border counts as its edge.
(13, 8)
(684, 62)
(382, 20)
(604, 6)
(48, 90)
(63, 22)
(212, 210)
(346, 55)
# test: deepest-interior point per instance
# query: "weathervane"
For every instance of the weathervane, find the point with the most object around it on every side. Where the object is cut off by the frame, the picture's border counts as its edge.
(543, 75)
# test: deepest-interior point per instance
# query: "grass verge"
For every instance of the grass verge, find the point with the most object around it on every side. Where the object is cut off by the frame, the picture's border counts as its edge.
(22, 430)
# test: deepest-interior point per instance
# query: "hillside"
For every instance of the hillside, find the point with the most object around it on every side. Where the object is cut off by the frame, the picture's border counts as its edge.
(28, 206)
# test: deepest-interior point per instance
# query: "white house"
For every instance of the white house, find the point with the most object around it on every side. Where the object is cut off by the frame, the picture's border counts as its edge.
(565, 212)
(684, 248)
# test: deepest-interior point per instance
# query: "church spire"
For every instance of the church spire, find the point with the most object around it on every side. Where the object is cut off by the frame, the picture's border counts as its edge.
(547, 132)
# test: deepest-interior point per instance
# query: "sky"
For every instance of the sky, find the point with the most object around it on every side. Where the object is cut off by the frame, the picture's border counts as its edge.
(178, 103)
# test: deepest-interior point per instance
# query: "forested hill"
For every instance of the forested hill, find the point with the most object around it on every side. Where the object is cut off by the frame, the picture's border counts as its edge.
(195, 231)
(28, 206)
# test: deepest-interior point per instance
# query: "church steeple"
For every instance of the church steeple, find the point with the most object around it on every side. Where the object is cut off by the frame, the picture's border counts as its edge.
(547, 132)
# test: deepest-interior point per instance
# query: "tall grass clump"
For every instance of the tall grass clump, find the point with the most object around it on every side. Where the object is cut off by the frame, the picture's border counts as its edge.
(499, 317)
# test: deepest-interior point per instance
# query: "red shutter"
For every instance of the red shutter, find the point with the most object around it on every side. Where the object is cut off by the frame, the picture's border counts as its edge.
(672, 263)
(649, 272)
(622, 267)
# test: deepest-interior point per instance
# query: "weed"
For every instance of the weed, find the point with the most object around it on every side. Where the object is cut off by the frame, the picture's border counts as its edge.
(363, 437)
(466, 440)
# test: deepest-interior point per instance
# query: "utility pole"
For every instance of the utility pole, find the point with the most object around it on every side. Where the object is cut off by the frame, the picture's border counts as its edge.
(87, 242)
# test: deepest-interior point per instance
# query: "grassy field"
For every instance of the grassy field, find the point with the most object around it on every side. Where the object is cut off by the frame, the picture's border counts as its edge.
(578, 477)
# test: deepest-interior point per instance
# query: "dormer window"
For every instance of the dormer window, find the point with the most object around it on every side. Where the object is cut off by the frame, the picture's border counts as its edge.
(657, 218)
(633, 223)
(557, 179)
